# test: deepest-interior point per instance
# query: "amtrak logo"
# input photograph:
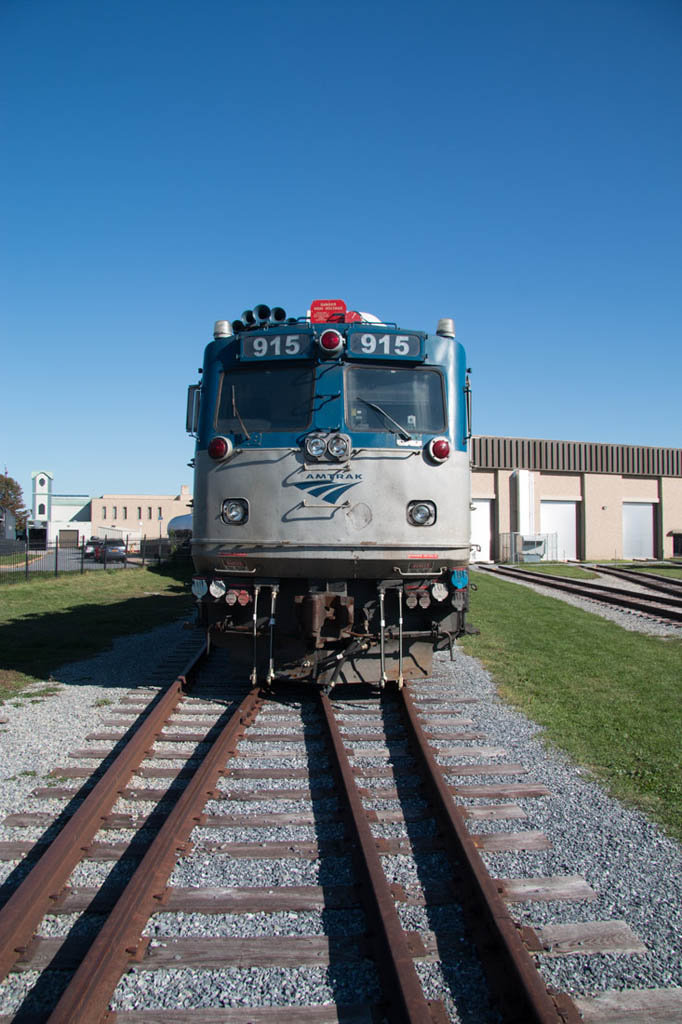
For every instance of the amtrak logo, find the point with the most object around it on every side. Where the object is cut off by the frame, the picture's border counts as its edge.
(329, 486)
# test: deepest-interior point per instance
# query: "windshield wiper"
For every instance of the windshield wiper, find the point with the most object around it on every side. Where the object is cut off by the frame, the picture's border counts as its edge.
(235, 412)
(401, 432)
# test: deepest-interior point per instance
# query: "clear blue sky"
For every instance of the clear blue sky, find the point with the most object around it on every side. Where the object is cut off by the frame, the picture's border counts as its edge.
(166, 164)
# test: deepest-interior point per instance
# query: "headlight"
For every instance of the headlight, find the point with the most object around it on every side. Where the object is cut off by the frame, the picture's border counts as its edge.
(338, 446)
(421, 513)
(235, 511)
(315, 446)
(217, 588)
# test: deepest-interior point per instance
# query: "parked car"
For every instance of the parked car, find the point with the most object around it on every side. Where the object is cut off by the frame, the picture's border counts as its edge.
(90, 547)
(115, 551)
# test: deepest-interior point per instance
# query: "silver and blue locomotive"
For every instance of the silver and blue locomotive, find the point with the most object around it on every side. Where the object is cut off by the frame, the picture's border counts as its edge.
(331, 495)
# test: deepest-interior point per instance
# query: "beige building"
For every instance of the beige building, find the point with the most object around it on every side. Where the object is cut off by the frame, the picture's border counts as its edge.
(72, 519)
(536, 499)
(137, 515)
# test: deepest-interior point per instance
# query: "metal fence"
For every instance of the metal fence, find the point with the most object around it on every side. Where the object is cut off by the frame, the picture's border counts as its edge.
(21, 561)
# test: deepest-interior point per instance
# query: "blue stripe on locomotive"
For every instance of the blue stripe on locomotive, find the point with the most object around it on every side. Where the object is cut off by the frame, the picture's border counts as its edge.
(444, 354)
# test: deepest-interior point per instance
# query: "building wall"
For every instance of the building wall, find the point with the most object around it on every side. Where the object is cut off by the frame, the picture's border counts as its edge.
(671, 512)
(8, 524)
(599, 501)
(138, 514)
(486, 483)
(502, 510)
(558, 487)
(602, 527)
(41, 496)
(69, 512)
(94, 517)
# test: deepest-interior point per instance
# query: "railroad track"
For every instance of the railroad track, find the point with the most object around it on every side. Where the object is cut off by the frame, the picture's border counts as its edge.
(667, 608)
(333, 764)
(650, 580)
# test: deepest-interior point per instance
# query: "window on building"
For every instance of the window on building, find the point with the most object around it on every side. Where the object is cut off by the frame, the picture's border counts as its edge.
(41, 482)
(41, 509)
(149, 511)
(104, 511)
(125, 511)
(139, 512)
(160, 513)
(114, 512)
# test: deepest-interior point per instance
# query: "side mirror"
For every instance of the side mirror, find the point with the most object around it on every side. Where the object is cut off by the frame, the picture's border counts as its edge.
(193, 404)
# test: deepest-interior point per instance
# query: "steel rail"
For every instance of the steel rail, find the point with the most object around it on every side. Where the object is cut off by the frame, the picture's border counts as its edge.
(29, 903)
(662, 609)
(401, 982)
(89, 992)
(520, 990)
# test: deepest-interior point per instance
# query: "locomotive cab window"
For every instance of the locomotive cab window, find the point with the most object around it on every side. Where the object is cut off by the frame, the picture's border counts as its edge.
(411, 398)
(265, 398)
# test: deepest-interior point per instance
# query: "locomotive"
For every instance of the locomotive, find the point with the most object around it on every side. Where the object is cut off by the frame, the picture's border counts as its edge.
(331, 515)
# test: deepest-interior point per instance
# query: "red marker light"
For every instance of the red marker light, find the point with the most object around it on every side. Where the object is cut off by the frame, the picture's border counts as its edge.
(331, 342)
(438, 449)
(219, 448)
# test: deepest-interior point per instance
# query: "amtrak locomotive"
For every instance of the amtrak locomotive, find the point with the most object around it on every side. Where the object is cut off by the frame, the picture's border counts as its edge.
(331, 495)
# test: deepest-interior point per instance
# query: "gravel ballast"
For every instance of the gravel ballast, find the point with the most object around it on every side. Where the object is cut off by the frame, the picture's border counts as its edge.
(633, 868)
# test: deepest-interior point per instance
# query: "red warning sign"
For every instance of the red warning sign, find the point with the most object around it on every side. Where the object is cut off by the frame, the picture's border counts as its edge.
(327, 311)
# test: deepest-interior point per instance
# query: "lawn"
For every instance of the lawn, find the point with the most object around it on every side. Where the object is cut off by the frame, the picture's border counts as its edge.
(608, 697)
(52, 620)
(673, 572)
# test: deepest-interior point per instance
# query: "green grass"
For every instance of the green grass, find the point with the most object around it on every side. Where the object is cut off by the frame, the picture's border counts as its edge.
(557, 569)
(16, 559)
(608, 697)
(673, 571)
(53, 620)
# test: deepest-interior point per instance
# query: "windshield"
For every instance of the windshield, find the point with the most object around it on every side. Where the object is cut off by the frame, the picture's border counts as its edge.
(412, 398)
(265, 398)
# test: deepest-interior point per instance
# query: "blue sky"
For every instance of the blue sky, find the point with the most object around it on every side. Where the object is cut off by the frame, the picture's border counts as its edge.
(517, 166)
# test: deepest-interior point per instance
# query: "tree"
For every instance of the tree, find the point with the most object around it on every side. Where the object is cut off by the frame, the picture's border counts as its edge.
(12, 498)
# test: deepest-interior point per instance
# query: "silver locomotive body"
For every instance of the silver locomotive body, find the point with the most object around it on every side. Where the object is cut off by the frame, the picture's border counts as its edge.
(331, 500)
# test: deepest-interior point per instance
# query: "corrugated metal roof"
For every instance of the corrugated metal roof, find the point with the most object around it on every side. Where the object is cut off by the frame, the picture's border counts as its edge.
(574, 456)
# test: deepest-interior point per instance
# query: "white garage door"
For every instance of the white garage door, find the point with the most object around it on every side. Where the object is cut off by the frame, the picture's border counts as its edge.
(638, 529)
(481, 528)
(560, 517)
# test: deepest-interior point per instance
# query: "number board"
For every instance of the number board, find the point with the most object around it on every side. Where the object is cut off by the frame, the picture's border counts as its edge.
(276, 346)
(384, 346)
